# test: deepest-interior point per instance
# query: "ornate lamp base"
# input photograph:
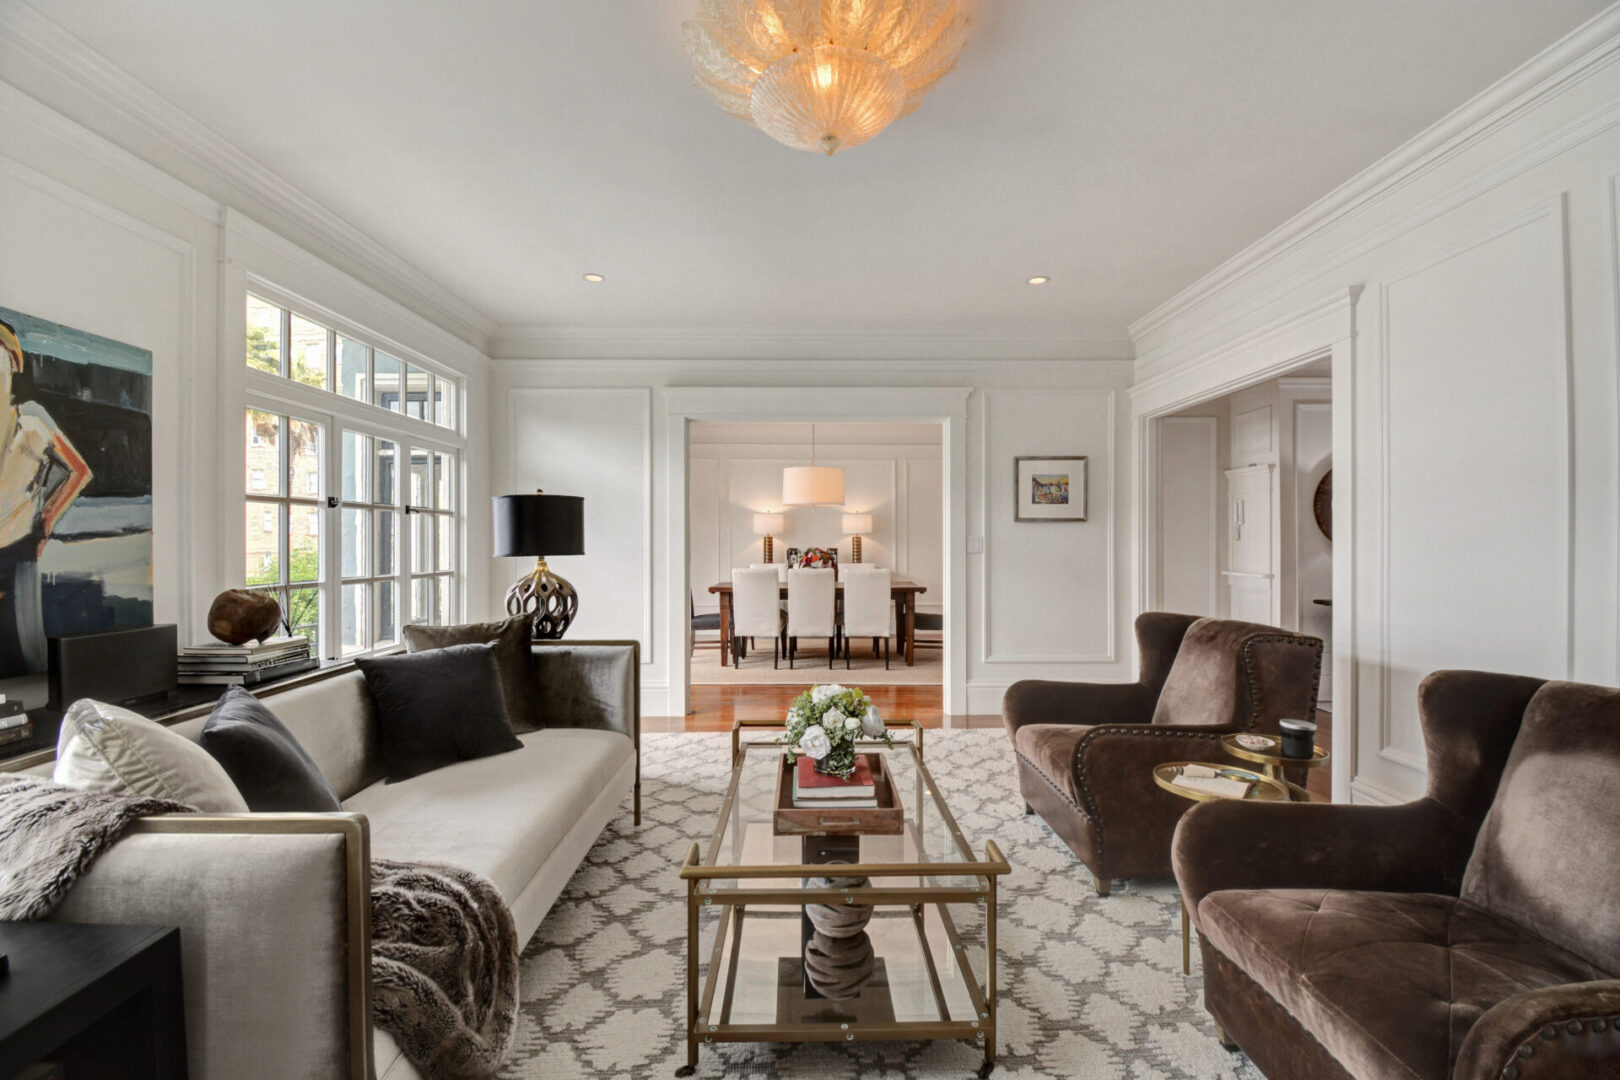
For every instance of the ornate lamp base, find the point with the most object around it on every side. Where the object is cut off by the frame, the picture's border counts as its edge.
(549, 601)
(855, 546)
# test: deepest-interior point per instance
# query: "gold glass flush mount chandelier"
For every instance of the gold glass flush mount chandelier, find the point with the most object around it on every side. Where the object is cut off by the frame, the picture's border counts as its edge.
(823, 74)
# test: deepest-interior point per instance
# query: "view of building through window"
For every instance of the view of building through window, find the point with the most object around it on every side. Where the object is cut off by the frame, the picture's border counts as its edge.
(388, 552)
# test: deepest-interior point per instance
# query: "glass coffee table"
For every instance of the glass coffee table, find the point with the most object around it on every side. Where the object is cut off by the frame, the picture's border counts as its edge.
(839, 938)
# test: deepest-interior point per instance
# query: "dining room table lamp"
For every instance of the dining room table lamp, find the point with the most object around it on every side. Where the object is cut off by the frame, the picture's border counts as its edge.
(541, 525)
(768, 525)
(854, 526)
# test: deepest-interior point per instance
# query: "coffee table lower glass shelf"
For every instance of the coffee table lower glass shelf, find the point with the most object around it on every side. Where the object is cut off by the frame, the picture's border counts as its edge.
(839, 938)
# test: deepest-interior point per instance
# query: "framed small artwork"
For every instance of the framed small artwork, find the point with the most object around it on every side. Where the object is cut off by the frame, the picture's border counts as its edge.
(793, 557)
(1049, 489)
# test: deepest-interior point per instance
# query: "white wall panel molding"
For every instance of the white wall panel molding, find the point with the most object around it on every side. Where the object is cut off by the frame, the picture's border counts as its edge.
(1581, 55)
(1101, 516)
(615, 476)
(1266, 352)
(21, 109)
(1364, 791)
(1186, 519)
(1496, 300)
(28, 37)
(137, 282)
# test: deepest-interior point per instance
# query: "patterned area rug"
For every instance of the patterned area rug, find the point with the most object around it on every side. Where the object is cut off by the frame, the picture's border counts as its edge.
(1090, 987)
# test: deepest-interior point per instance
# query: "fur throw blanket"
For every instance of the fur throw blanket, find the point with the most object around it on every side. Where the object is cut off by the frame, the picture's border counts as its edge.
(444, 967)
(50, 834)
(444, 961)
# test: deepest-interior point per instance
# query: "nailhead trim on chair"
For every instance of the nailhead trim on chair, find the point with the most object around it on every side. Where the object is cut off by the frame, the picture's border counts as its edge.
(1123, 729)
(1594, 1025)
(1255, 708)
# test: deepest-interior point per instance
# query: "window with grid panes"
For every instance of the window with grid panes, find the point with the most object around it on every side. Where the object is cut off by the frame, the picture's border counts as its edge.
(390, 498)
(283, 551)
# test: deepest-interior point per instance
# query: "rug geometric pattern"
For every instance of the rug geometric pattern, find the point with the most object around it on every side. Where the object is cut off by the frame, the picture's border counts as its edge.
(1090, 987)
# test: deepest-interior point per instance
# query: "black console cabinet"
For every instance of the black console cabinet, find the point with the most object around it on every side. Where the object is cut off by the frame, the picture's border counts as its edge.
(104, 1001)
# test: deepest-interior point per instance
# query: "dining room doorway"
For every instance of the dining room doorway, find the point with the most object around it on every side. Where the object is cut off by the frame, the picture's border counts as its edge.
(890, 518)
(942, 407)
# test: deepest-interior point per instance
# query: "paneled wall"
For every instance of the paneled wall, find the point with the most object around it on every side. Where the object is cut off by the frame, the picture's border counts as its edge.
(892, 471)
(1032, 600)
(1464, 292)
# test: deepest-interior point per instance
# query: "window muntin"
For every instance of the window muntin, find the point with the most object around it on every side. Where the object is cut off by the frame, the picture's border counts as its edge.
(282, 342)
(283, 549)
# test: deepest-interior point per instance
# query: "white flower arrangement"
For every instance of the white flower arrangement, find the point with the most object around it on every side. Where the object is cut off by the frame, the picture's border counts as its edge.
(825, 722)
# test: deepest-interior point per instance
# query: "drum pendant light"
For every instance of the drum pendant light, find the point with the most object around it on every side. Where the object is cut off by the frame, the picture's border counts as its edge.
(812, 484)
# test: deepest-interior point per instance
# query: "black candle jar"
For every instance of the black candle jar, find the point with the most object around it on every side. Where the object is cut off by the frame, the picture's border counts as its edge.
(1298, 738)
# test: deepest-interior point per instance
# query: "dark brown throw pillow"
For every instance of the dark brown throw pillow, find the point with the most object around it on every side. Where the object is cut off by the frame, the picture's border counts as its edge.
(436, 708)
(519, 687)
(267, 765)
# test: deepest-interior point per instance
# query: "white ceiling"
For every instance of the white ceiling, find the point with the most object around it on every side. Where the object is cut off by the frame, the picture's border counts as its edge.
(506, 147)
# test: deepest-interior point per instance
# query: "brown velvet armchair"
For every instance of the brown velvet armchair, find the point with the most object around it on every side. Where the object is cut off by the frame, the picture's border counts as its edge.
(1473, 934)
(1086, 751)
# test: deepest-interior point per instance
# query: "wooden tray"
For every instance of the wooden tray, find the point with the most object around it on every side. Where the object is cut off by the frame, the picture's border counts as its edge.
(887, 818)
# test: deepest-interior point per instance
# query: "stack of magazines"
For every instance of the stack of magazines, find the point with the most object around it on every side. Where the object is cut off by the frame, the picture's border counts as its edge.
(14, 723)
(244, 665)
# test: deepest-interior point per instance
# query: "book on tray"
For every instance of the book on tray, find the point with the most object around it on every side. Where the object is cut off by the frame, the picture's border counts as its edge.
(814, 790)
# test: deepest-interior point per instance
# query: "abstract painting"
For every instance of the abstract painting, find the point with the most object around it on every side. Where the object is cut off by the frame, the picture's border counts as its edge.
(1049, 489)
(75, 487)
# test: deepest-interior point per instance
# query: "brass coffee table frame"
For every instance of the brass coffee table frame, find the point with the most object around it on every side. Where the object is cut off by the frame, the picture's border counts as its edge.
(700, 872)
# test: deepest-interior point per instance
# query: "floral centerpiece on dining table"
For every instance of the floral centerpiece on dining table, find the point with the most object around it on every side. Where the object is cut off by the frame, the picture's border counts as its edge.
(824, 722)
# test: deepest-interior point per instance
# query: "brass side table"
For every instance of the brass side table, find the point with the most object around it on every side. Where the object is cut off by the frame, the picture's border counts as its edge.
(1262, 789)
(1273, 762)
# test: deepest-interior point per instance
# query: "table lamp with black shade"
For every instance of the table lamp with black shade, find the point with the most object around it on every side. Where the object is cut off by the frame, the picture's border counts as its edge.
(541, 525)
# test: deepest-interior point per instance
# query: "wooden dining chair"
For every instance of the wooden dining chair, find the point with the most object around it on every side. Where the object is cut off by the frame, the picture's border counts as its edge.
(812, 600)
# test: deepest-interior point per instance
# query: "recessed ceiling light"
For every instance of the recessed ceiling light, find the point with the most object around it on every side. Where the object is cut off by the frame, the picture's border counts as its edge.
(1039, 279)
(595, 279)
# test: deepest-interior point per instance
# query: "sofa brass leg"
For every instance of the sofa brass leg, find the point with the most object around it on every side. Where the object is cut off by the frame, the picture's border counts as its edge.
(1222, 1037)
(1103, 884)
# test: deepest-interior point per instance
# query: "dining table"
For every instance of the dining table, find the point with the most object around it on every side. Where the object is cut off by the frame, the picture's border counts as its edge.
(904, 591)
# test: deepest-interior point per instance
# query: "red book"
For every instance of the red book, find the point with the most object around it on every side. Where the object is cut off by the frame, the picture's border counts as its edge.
(859, 784)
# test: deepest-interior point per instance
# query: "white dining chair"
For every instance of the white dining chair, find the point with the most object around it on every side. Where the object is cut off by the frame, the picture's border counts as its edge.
(866, 610)
(811, 609)
(756, 611)
(780, 568)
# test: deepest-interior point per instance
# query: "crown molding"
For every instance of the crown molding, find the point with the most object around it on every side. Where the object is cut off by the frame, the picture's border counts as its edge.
(31, 35)
(1575, 57)
(795, 343)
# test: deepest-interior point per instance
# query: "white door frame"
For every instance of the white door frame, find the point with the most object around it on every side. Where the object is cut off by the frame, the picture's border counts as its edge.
(1322, 329)
(946, 406)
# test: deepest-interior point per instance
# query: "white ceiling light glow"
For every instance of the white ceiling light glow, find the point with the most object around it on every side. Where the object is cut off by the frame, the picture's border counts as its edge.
(823, 74)
(595, 279)
(1039, 279)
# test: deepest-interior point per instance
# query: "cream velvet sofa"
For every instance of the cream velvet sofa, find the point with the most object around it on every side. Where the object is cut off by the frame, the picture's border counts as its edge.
(272, 908)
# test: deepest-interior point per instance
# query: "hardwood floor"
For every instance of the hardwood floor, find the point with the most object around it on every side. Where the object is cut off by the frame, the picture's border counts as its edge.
(715, 707)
